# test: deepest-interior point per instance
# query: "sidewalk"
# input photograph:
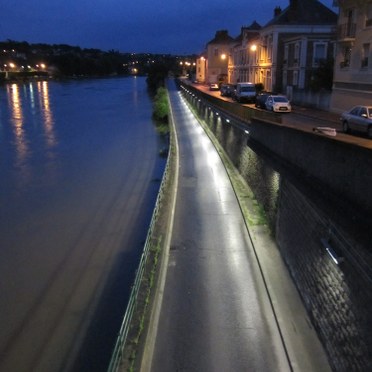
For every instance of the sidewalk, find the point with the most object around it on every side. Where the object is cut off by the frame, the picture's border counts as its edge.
(317, 114)
(210, 317)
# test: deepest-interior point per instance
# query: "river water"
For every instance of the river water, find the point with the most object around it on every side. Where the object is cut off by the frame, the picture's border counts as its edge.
(79, 171)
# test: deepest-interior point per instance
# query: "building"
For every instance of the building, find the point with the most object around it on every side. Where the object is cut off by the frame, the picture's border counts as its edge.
(294, 44)
(242, 61)
(201, 69)
(352, 83)
(217, 53)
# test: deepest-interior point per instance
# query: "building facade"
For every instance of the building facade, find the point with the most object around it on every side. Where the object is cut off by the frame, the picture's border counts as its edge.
(293, 45)
(352, 83)
(242, 57)
(217, 57)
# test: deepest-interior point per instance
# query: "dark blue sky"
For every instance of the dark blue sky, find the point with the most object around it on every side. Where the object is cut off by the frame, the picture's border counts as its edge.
(154, 26)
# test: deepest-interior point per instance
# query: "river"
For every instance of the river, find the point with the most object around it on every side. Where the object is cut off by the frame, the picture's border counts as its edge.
(80, 171)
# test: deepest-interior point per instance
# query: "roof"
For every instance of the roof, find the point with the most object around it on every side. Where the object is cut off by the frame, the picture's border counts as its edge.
(252, 30)
(304, 12)
(222, 37)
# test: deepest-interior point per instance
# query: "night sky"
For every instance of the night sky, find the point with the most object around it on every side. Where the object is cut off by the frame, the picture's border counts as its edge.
(138, 26)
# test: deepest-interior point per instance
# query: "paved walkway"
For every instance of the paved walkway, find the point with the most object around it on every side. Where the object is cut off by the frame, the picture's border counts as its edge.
(227, 303)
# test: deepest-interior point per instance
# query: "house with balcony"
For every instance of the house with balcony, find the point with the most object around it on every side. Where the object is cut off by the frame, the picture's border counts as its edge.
(293, 53)
(294, 45)
(352, 82)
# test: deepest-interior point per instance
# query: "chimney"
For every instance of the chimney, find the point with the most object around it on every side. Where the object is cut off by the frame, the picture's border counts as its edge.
(277, 11)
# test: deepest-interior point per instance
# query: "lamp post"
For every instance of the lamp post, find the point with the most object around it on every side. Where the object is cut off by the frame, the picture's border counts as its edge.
(253, 62)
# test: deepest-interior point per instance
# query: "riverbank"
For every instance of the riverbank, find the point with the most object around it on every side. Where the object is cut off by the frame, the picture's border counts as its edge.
(130, 357)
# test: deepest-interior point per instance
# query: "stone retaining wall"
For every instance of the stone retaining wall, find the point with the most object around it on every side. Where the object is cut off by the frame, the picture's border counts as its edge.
(306, 212)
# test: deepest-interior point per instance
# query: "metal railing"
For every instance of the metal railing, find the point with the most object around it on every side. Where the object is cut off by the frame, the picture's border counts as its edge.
(121, 341)
(346, 31)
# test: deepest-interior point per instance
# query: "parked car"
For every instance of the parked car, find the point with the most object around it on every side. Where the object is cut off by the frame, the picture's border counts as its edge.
(261, 99)
(233, 92)
(278, 104)
(359, 118)
(245, 92)
(214, 87)
(226, 90)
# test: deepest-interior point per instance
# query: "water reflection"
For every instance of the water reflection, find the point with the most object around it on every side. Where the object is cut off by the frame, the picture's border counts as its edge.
(43, 90)
(17, 122)
(32, 131)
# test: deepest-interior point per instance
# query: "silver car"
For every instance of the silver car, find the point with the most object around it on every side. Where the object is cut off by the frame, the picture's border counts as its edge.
(359, 118)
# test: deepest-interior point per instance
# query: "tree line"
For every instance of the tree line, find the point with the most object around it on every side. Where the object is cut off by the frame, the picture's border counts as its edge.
(67, 60)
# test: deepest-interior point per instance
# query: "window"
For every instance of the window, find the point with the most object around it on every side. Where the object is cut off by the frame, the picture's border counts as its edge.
(355, 111)
(350, 32)
(320, 53)
(346, 57)
(369, 16)
(297, 53)
(216, 52)
(286, 49)
(365, 55)
(270, 47)
(295, 77)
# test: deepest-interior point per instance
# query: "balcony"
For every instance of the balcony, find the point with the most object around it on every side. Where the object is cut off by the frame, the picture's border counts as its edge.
(346, 32)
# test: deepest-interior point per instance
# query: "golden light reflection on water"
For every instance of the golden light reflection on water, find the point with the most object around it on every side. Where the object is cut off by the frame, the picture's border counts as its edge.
(43, 90)
(17, 121)
(31, 118)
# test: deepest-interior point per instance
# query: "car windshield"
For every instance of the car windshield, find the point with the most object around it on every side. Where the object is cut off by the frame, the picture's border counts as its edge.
(280, 99)
(248, 89)
(369, 109)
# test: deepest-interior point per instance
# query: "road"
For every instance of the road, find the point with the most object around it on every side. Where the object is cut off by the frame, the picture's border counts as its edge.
(306, 119)
(215, 314)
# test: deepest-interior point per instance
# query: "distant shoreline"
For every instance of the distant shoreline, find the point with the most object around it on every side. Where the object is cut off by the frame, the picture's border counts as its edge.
(23, 78)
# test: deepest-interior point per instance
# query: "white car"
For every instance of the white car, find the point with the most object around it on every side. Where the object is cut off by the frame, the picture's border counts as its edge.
(214, 87)
(278, 104)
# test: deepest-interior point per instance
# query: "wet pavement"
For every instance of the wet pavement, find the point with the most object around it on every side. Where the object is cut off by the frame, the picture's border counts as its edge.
(227, 302)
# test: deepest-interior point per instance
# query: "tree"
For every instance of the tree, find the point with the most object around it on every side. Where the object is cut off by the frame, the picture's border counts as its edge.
(322, 77)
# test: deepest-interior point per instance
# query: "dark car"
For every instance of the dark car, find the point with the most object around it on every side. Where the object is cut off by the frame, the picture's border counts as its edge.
(233, 92)
(261, 99)
(358, 118)
(227, 90)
